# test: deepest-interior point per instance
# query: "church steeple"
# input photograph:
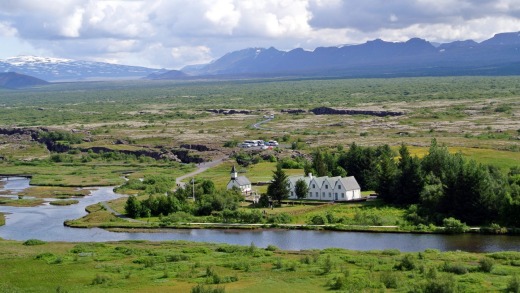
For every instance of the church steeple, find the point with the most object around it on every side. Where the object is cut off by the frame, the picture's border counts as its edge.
(233, 173)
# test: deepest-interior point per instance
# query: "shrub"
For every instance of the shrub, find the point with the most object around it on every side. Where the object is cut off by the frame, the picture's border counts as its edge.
(100, 279)
(206, 289)
(407, 263)
(34, 242)
(389, 279)
(486, 265)
(337, 283)
(318, 220)
(457, 269)
(281, 218)
(514, 284)
(327, 265)
(271, 248)
(453, 226)
(439, 285)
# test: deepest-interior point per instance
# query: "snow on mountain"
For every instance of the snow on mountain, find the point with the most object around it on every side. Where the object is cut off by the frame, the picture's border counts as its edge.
(59, 69)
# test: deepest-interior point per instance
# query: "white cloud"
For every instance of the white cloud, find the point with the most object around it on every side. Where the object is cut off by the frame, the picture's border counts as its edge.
(173, 33)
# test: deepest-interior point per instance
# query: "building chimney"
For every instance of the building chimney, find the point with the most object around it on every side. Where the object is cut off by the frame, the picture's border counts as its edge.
(310, 175)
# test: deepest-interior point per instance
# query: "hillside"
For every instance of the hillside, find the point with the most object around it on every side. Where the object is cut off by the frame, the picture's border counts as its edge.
(14, 80)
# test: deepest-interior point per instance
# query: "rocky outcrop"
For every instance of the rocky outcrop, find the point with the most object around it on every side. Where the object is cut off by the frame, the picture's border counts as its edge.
(35, 134)
(187, 153)
(293, 111)
(229, 111)
(331, 111)
(179, 155)
(197, 147)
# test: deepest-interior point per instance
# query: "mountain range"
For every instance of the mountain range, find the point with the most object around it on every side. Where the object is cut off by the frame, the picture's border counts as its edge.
(57, 69)
(499, 55)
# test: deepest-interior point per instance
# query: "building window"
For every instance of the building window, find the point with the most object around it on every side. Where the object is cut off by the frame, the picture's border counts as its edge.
(342, 195)
(317, 194)
(326, 187)
(310, 194)
(292, 193)
(313, 186)
(330, 195)
(339, 186)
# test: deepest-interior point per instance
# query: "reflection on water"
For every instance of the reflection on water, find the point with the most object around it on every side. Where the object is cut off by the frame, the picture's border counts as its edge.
(46, 223)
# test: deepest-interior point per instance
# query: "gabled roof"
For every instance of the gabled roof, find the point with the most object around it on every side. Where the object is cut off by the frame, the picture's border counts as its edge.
(242, 180)
(292, 180)
(350, 183)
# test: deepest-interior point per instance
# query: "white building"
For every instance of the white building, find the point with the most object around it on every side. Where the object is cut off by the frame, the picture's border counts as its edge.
(241, 182)
(327, 188)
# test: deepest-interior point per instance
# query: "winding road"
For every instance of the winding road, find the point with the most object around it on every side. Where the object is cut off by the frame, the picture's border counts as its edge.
(200, 168)
(257, 125)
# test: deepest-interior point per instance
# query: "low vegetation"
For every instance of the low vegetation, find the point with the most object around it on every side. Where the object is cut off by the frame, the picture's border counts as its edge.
(64, 202)
(142, 266)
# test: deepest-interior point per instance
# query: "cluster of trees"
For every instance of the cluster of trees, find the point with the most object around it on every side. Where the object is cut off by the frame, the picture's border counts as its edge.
(438, 186)
(161, 201)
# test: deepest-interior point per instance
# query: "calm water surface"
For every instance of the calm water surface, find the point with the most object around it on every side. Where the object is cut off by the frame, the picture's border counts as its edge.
(46, 223)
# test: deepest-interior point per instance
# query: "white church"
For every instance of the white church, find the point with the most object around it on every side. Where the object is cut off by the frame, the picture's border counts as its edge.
(241, 182)
(327, 188)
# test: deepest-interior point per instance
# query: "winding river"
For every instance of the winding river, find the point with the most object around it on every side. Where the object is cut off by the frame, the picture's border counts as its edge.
(46, 223)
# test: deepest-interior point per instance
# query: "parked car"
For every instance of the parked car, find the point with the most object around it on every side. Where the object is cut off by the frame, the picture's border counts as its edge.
(245, 145)
(272, 143)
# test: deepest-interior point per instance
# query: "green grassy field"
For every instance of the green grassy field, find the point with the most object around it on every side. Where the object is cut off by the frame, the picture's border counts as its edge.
(90, 174)
(141, 266)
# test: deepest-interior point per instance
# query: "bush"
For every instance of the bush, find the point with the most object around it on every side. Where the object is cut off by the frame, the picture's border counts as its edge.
(457, 269)
(337, 283)
(454, 226)
(31, 242)
(486, 265)
(100, 279)
(439, 285)
(514, 284)
(318, 220)
(407, 263)
(389, 279)
(281, 218)
(206, 289)
(271, 248)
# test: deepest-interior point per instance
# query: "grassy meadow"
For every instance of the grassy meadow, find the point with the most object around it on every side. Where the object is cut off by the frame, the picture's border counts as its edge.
(142, 266)
(476, 116)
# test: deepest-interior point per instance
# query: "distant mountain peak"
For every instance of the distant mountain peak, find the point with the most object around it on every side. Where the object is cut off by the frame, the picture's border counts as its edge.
(24, 59)
(61, 69)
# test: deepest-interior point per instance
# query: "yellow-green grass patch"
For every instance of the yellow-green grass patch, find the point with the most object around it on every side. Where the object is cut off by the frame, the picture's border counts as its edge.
(64, 202)
(502, 159)
(54, 192)
(23, 202)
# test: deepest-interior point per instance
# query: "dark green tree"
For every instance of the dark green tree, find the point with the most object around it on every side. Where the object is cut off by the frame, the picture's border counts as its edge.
(410, 180)
(301, 189)
(133, 207)
(278, 189)
(386, 177)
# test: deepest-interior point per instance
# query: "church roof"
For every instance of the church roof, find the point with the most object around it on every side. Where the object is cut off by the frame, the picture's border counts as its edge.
(233, 170)
(242, 180)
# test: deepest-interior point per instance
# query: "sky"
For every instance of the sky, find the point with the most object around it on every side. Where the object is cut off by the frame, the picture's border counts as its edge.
(174, 33)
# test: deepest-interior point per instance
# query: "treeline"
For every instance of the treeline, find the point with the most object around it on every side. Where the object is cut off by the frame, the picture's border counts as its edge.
(162, 201)
(438, 186)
